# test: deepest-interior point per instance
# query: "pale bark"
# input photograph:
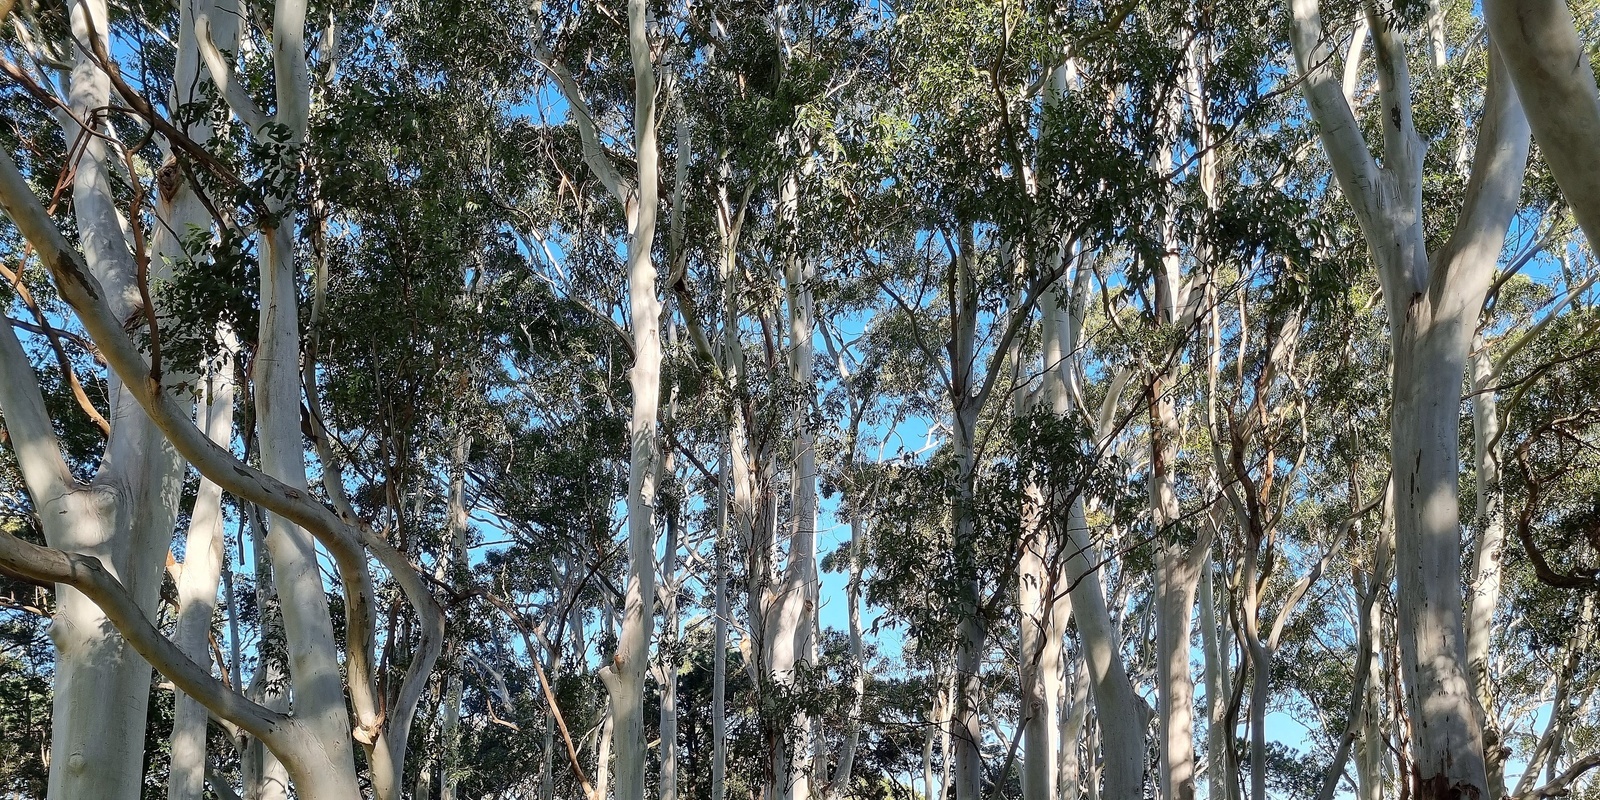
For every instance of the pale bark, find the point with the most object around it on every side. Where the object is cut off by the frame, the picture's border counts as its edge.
(1483, 581)
(722, 612)
(1539, 44)
(179, 212)
(204, 552)
(929, 731)
(971, 630)
(602, 753)
(792, 616)
(840, 785)
(943, 714)
(667, 780)
(1039, 712)
(624, 677)
(124, 516)
(321, 769)
(456, 515)
(1433, 309)
(1430, 351)
(1177, 564)
(1177, 578)
(262, 774)
(1372, 750)
(1122, 716)
(1222, 775)
(1040, 637)
(1070, 761)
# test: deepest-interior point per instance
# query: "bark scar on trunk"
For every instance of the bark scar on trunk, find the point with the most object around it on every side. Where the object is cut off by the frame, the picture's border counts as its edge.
(67, 265)
(1439, 787)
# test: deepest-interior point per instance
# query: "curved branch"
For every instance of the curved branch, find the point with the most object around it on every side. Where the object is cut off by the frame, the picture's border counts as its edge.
(1561, 786)
(87, 575)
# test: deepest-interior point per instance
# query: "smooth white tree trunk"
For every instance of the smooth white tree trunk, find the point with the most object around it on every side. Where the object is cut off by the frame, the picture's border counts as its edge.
(1433, 310)
(1483, 582)
(204, 552)
(125, 516)
(667, 780)
(1222, 777)
(624, 677)
(839, 787)
(180, 213)
(790, 629)
(719, 659)
(1550, 66)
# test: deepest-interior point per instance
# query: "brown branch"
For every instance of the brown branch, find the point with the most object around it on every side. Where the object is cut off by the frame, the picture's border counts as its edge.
(544, 681)
(1541, 567)
(63, 361)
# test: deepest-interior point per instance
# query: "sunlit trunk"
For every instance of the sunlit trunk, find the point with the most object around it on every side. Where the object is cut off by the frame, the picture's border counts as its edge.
(204, 551)
(624, 677)
(125, 516)
(1433, 306)
(793, 615)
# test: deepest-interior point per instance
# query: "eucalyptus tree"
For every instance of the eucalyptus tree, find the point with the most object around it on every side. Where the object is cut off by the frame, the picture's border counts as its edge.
(123, 516)
(1054, 308)
(313, 743)
(1432, 302)
(638, 194)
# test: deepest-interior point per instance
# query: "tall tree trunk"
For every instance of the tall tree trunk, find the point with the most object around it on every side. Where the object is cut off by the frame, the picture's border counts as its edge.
(456, 518)
(668, 779)
(842, 776)
(125, 516)
(203, 554)
(1177, 578)
(1373, 749)
(314, 669)
(607, 732)
(317, 692)
(1070, 762)
(1043, 608)
(624, 677)
(1484, 579)
(1433, 309)
(179, 211)
(263, 775)
(929, 732)
(790, 632)
(722, 610)
(1121, 714)
(971, 628)
(1222, 779)
(945, 713)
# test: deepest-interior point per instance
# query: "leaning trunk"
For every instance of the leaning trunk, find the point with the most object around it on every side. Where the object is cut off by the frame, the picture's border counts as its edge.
(1122, 716)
